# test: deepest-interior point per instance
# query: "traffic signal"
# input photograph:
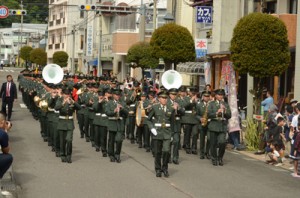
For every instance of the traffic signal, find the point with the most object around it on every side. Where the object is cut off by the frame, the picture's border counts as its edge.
(17, 12)
(87, 7)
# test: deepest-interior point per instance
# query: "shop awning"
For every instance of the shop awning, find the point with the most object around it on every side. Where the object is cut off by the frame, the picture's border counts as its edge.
(191, 68)
(94, 62)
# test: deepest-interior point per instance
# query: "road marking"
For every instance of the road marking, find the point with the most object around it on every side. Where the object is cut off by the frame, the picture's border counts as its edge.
(249, 159)
(12, 70)
(236, 153)
(23, 106)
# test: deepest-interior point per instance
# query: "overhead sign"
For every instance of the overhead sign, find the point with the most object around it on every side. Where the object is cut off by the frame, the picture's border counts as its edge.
(201, 47)
(3, 12)
(204, 14)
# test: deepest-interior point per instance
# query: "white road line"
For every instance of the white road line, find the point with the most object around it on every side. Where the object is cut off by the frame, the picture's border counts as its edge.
(249, 159)
(12, 71)
(23, 106)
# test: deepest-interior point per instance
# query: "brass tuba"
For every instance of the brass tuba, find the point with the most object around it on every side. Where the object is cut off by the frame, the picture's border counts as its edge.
(171, 79)
(43, 105)
(36, 100)
(53, 73)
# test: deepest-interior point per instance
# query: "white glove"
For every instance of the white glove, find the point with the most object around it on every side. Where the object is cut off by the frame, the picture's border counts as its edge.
(154, 132)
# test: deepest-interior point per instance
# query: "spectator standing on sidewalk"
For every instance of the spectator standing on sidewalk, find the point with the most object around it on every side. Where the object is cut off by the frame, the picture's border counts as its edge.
(267, 102)
(8, 94)
(296, 155)
(5, 158)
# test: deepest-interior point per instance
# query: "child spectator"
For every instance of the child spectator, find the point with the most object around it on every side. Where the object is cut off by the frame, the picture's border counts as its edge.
(277, 135)
(274, 155)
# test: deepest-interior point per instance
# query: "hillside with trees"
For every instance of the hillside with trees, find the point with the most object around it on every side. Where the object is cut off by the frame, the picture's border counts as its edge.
(37, 12)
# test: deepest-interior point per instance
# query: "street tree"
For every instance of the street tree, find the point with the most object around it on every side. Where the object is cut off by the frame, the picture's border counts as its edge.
(173, 43)
(140, 54)
(260, 46)
(60, 58)
(38, 56)
(25, 54)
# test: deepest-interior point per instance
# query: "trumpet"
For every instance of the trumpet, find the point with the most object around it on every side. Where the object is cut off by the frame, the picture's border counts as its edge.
(68, 100)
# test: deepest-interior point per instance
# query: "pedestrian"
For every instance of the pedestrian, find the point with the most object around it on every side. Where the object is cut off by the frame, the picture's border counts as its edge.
(219, 112)
(5, 158)
(9, 95)
(267, 102)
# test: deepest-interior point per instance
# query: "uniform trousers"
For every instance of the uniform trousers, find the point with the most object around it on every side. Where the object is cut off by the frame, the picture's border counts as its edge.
(161, 154)
(217, 140)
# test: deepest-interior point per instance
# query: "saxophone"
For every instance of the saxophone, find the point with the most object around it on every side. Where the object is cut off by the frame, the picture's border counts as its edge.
(205, 116)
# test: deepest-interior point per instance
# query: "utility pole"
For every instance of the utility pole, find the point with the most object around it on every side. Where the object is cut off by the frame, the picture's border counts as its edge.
(73, 51)
(0, 45)
(142, 21)
(99, 71)
(21, 32)
(154, 14)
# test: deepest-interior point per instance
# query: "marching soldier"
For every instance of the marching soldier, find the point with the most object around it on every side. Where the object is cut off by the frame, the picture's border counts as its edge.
(66, 107)
(175, 124)
(202, 116)
(116, 111)
(190, 122)
(219, 112)
(93, 96)
(142, 130)
(134, 95)
(159, 122)
(100, 122)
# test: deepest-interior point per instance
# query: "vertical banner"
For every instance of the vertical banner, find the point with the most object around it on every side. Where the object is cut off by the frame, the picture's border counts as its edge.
(89, 40)
(201, 47)
(228, 82)
(207, 72)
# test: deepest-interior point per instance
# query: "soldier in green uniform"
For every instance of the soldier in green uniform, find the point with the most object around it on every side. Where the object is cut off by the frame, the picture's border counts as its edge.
(100, 121)
(202, 116)
(219, 112)
(159, 123)
(175, 123)
(93, 96)
(142, 130)
(116, 111)
(66, 107)
(87, 96)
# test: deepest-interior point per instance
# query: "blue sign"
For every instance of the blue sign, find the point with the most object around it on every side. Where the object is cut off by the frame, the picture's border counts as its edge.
(204, 14)
(200, 53)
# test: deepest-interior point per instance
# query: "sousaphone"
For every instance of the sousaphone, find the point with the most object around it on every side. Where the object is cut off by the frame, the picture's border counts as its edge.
(171, 79)
(53, 73)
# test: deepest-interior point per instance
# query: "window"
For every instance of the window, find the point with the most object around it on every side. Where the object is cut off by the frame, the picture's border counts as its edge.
(53, 38)
(53, 17)
(81, 41)
(81, 14)
(293, 6)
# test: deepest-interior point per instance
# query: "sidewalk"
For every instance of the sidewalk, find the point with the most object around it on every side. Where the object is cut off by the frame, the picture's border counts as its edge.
(9, 186)
(285, 165)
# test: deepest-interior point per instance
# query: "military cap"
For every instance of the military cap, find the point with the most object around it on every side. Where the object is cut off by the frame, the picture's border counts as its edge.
(100, 92)
(163, 94)
(206, 93)
(182, 89)
(151, 93)
(95, 85)
(89, 85)
(220, 92)
(144, 94)
(173, 91)
(193, 89)
(136, 84)
(102, 78)
(66, 91)
(108, 90)
(117, 91)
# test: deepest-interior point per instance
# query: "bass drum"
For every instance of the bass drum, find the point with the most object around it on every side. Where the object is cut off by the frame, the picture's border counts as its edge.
(140, 115)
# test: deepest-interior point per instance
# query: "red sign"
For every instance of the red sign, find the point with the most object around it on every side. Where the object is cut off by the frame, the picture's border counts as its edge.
(3, 12)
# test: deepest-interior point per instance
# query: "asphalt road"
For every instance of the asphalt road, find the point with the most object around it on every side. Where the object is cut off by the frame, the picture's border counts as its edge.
(41, 175)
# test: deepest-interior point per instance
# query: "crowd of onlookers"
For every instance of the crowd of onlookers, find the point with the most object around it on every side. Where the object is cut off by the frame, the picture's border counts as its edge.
(281, 137)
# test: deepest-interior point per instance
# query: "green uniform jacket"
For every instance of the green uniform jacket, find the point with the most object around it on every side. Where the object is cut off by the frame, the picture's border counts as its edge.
(65, 110)
(176, 117)
(99, 108)
(158, 116)
(113, 123)
(190, 111)
(217, 123)
(201, 108)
